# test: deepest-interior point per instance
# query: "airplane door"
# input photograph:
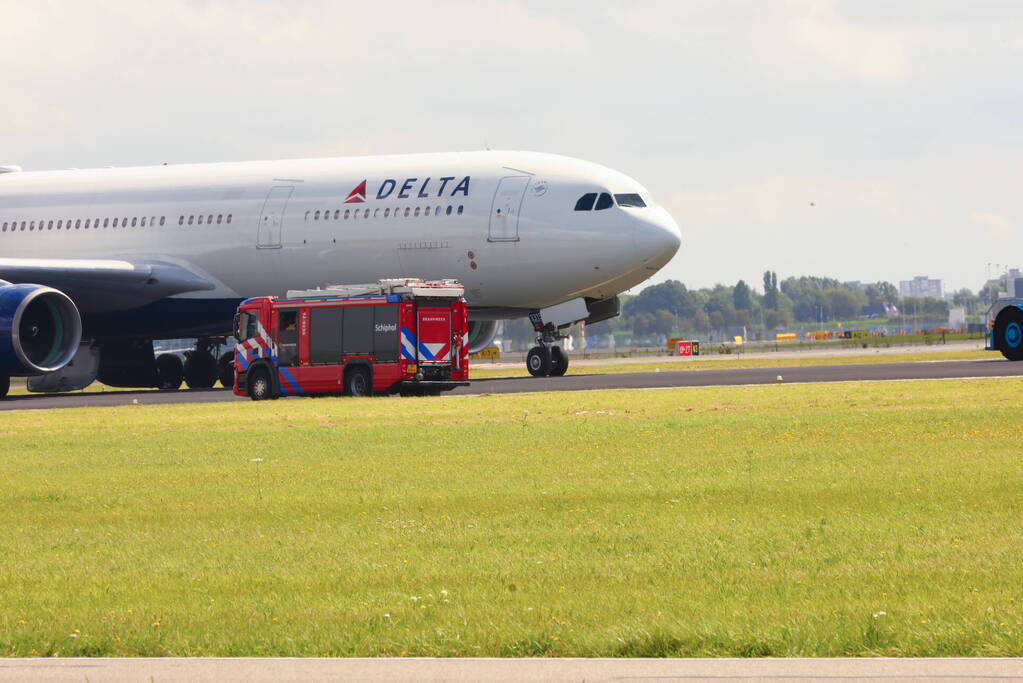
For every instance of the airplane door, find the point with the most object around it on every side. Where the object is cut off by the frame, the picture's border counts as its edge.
(504, 213)
(271, 219)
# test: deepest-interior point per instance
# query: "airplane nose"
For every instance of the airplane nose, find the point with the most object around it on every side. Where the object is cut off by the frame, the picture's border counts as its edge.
(658, 239)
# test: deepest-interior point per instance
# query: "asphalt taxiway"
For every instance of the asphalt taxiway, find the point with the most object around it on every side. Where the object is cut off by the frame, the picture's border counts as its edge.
(292, 670)
(580, 381)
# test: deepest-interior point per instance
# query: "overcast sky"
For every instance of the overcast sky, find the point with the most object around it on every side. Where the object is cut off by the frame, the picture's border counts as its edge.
(857, 139)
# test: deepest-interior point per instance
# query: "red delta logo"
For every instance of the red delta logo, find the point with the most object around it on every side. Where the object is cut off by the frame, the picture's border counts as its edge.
(358, 195)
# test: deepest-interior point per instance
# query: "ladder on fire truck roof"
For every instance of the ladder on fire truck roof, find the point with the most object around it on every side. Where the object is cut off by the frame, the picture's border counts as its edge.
(404, 285)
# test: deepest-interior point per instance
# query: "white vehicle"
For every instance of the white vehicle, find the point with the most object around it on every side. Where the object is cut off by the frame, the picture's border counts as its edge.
(96, 264)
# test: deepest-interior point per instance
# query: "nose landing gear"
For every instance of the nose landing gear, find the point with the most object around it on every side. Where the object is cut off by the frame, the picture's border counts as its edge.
(546, 359)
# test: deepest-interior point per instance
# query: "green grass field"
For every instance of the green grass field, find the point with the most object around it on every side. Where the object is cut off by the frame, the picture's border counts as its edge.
(848, 519)
(669, 364)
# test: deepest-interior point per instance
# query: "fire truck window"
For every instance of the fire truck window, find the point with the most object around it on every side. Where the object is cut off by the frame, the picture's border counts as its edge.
(357, 334)
(385, 333)
(287, 337)
(325, 335)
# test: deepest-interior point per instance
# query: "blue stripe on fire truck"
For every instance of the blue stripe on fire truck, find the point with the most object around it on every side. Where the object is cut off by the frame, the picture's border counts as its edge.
(287, 379)
(408, 344)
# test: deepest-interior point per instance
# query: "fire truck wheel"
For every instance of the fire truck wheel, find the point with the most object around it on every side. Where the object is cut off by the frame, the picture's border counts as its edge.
(1009, 333)
(559, 361)
(357, 382)
(259, 385)
(538, 361)
(200, 370)
(225, 369)
(169, 372)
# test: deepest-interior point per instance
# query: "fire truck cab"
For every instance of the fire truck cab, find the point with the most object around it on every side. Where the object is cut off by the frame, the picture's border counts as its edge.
(396, 336)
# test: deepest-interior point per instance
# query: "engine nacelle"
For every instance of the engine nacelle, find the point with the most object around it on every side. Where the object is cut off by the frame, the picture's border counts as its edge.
(40, 329)
(481, 334)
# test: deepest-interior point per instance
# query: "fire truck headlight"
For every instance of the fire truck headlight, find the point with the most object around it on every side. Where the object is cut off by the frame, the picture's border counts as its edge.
(411, 368)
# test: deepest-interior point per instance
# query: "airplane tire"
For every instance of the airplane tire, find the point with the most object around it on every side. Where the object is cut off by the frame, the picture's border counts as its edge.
(358, 382)
(1009, 333)
(259, 385)
(538, 361)
(225, 369)
(169, 372)
(5, 385)
(559, 361)
(200, 370)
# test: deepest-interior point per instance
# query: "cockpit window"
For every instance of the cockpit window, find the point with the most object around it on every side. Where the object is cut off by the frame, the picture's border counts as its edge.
(585, 202)
(603, 202)
(633, 201)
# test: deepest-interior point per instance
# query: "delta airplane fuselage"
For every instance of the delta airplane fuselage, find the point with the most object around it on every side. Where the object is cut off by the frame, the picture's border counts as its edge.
(169, 251)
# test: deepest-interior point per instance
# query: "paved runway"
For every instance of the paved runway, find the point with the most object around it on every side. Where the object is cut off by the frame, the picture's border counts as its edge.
(287, 670)
(581, 381)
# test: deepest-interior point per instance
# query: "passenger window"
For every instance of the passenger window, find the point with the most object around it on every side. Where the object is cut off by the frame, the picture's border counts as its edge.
(59, 223)
(49, 226)
(181, 220)
(161, 220)
(124, 222)
(115, 222)
(347, 213)
(426, 211)
(199, 221)
(437, 211)
(460, 208)
(209, 219)
(407, 210)
(191, 219)
(366, 214)
(416, 211)
(585, 202)
(143, 221)
(228, 218)
(316, 216)
(448, 212)
(220, 218)
(387, 213)
(134, 221)
(337, 213)
(604, 201)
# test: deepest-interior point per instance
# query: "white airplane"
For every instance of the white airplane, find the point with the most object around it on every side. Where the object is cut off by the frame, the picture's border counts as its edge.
(96, 264)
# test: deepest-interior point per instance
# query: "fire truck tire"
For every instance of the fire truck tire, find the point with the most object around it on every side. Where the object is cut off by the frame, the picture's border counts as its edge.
(358, 382)
(225, 369)
(169, 372)
(200, 370)
(538, 361)
(559, 361)
(1009, 333)
(259, 386)
(5, 385)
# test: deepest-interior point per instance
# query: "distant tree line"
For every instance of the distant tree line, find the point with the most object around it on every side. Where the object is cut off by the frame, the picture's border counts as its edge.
(806, 302)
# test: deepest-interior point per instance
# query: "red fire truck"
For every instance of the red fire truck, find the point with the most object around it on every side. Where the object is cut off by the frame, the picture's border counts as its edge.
(396, 336)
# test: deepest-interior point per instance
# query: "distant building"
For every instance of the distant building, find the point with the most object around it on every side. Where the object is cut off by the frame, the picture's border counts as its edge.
(1009, 283)
(921, 286)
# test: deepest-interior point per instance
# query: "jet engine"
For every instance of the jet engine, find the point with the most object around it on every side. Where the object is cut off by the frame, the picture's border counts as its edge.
(40, 329)
(481, 334)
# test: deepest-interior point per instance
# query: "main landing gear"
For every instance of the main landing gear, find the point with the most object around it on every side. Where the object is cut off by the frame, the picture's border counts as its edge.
(546, 359)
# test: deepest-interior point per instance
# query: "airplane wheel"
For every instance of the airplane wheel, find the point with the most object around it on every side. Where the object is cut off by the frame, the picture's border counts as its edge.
(559, 361)
(200, 370)
(5, 385)
(169, 372)
(1009, 333)
(225, 369)
(357, 382)
(259, 385)
(538, 361)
